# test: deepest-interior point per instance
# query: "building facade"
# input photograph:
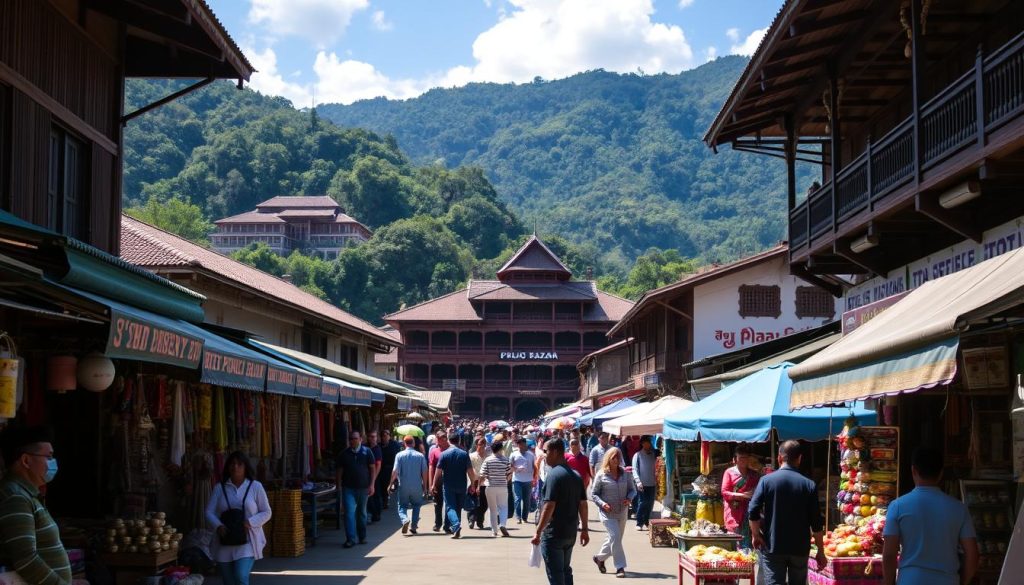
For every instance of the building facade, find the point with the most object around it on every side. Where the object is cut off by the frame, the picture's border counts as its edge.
(313, 225)
(508, 347)
(723, 308)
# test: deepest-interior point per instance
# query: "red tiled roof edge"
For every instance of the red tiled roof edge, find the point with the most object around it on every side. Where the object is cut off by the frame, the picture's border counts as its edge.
(391, 316)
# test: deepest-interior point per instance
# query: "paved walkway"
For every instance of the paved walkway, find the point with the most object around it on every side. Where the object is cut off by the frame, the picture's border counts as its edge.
(429, 557)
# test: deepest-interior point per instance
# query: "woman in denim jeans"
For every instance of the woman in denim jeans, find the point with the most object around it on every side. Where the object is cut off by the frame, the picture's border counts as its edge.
(613, 491)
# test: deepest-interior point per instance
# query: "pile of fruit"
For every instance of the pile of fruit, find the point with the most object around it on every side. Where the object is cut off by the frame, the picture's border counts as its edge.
(867, 484)
(698, 528)
(713, 555)
(150, 535)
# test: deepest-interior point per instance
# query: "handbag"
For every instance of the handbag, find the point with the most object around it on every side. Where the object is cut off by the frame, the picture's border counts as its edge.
(233, 520)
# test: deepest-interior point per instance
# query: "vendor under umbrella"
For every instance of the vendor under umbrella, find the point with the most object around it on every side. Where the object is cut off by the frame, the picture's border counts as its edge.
(738, 485)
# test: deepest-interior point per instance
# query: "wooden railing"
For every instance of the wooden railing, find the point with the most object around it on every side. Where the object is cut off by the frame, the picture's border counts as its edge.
(988, 96)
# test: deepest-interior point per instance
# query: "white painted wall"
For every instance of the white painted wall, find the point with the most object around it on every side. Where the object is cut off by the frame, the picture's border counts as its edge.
(718, 327)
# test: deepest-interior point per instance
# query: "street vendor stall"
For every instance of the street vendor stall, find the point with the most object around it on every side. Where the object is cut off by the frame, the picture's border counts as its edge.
(646, 418)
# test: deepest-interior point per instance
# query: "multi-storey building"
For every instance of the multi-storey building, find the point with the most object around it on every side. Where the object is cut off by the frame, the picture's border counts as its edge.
(508, 347)
(316, 225)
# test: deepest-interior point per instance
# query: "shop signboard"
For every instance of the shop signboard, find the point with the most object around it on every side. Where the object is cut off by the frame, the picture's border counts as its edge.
(133, 337)
(363, 397)
(330, 392)
(280, 380)
(233, 371)
(308, 385)
(994, 242)
(522, 356)
(854, 318)
(348, 395)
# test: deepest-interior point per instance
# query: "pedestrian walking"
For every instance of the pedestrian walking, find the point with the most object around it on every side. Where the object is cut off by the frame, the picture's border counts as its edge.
(524, 477)
(29, 538)
(738, 485)
(240, 541)
(476, 458)
(578, 462)
(644, 463)
(409, 483)
(390, 448)
(356, 474)
(613, 490)
(596, 455)
(374, 503)
(565, 508)
(453, 468)
(784, 513)
(441, 445)
(495, 474)
(925, 529)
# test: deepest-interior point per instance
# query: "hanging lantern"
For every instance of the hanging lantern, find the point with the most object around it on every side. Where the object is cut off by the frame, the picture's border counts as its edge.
(95, 372)
(60, 373)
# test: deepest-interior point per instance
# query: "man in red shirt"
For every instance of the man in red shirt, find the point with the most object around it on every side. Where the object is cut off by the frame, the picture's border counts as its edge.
(578, 462)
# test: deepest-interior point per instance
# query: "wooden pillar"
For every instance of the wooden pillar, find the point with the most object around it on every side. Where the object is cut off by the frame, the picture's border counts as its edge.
(918, 61)
(835, 145)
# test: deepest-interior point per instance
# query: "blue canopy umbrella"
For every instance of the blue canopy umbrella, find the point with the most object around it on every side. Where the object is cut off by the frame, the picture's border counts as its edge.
(588, 420)
(747, 411)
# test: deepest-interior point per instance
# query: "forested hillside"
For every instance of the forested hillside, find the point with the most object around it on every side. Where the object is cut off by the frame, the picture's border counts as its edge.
(614, 161)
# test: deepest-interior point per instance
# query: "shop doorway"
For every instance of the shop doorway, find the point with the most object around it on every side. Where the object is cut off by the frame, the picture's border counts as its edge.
(530, 408)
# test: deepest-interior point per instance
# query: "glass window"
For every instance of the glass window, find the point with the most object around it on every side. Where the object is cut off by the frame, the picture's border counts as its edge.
(66, 175)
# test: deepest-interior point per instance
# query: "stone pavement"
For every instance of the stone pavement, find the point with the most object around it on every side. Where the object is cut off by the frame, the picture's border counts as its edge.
(430, 557)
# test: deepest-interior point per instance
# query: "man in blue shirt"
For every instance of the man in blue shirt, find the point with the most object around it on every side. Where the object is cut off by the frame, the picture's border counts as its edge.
(924, 529)
(356, 473)
(783, 513)
(410, 475)
(453, 467)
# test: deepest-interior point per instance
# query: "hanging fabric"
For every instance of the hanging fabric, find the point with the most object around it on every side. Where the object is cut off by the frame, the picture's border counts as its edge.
(178, 434)
(205, 408)
(220, 433)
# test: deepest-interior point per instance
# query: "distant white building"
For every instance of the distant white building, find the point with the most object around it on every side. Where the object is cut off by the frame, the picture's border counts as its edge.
(316, 225)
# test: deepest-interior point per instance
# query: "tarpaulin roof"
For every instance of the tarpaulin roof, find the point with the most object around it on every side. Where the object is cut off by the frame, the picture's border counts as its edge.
(646, 418)
(606, 409)
(749, 409)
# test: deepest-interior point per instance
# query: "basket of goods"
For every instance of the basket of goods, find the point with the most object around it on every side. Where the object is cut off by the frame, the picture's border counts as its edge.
(287, 534)
(719, 561)
(141, 541)
(660, 535)
(702, 532)
(868, 471)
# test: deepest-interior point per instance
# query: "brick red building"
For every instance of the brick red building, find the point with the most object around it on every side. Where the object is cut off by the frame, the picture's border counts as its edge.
(508, 347)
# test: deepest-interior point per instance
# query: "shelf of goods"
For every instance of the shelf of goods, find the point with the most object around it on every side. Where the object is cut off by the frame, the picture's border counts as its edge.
(868, 481)
(989, 503)
(711, 563)
(687, 469)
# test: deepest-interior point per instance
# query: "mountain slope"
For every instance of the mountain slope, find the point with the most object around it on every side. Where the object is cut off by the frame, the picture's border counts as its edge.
(615, 161)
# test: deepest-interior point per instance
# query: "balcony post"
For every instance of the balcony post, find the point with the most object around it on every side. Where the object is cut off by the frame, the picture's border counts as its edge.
(867, 172)
(835, 147)
(979, 93)
(918, 64)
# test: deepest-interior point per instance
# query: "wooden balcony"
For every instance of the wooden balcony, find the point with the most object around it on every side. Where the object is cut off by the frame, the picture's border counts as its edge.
(974, 122)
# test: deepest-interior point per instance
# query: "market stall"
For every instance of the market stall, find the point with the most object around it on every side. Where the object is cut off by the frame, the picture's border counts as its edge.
(646, 418)
(591, 418)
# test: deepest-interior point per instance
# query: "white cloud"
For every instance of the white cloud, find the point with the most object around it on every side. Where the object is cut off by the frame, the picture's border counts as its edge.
(381, 22)
(750, 44)
(556, 39)
(268, 79)
(320, 21)
(710, 53)
(345, 81)
(733, 34)
(685, 3)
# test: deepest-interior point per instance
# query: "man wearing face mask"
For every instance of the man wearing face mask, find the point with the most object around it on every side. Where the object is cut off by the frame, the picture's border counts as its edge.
(29, 538)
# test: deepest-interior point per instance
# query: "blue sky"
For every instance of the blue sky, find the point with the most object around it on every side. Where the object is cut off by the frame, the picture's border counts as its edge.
(345, 50)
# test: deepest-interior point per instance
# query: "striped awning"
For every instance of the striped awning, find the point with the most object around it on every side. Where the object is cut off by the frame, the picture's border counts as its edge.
(912, 344)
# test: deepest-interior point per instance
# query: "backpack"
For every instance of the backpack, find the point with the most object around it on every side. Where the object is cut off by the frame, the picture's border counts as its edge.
(233, 520)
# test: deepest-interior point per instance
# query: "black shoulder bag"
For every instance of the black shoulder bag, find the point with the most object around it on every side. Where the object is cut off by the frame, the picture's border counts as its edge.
(233, 520)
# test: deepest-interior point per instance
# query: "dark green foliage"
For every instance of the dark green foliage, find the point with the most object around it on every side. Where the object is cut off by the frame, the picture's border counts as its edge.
(614, 161)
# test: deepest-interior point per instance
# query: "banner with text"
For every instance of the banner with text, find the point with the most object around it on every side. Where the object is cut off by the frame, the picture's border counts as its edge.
(281, 380)
(233, 371)
(308, 385)
(133, 337)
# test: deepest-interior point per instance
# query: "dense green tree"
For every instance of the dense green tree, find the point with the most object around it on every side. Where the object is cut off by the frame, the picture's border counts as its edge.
(654, 269)
(176, 216)
(259, 255)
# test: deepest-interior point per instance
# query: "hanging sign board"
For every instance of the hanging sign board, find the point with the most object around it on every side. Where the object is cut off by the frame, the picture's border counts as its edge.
(363, 397)
(308, 385)
(280, 380)
(134, 338)
(329, 392)
(224, 369)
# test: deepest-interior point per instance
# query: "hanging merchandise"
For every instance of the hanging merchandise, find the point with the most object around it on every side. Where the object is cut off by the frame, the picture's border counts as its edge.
(705, 458)
(95, 372)
(205, 408)
(61, 374)
(220, 433)
(11, 377)
(178, 435)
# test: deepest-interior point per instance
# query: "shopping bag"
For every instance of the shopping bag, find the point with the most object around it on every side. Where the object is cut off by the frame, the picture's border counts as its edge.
(535, 556)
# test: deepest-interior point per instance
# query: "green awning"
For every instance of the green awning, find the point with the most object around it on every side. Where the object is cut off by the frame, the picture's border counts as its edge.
(137, 334)
(328, 368)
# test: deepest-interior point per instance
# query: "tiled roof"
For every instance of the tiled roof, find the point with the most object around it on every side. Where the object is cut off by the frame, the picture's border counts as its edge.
(305, 212)
(251, 217)
(205, 11)
(691, 280)
(457, 306)
(151, 247)
(450, 307)
(534, 255)
(293, 201)
(492, 290)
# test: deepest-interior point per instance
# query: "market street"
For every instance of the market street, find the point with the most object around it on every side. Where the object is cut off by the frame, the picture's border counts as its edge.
(391, 558)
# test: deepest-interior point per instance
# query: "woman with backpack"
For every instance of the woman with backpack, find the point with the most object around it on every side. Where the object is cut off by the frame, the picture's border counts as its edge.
(238, 509)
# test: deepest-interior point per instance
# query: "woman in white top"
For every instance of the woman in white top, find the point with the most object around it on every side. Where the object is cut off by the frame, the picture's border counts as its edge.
(612, 492)
(238, 490)
(496, 473)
